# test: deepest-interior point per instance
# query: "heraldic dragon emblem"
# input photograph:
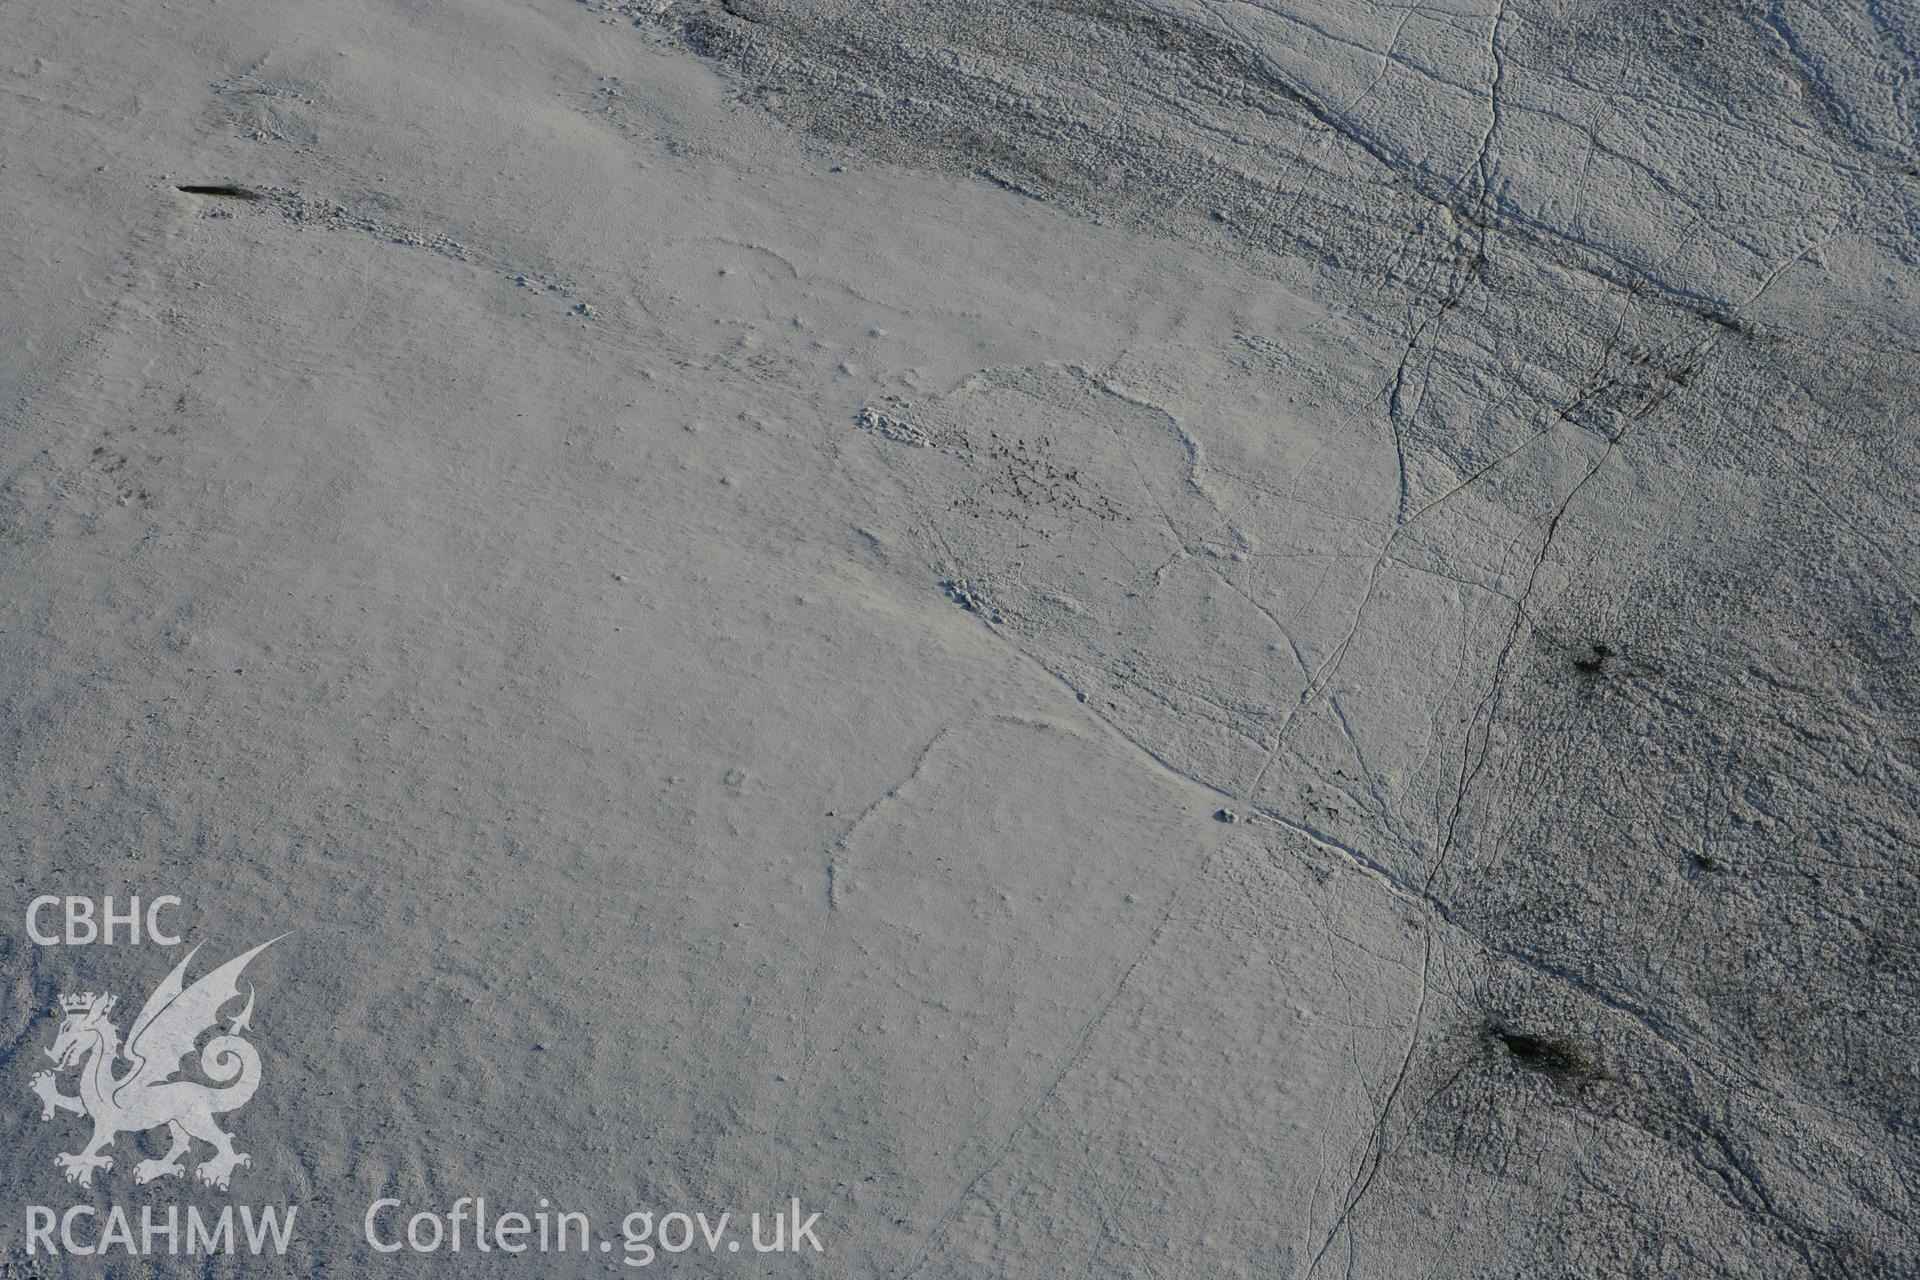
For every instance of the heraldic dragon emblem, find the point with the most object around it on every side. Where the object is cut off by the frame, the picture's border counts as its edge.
(146, 1095)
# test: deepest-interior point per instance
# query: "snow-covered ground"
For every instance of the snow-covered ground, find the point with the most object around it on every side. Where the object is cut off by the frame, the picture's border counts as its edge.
(1101, 639)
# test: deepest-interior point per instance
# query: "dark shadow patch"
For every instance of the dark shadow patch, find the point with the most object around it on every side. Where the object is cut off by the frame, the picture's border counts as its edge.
(1560, 1059)
(1595, 659)
(220, 191)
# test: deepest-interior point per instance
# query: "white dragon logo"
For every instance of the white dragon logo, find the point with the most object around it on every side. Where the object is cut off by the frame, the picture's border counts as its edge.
(146, 1095)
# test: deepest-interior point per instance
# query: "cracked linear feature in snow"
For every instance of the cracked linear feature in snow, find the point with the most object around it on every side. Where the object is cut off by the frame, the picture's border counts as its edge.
(1205, 637)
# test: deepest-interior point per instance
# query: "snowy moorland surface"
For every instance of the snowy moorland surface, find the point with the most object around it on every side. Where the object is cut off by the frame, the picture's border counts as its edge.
(1217, 638)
